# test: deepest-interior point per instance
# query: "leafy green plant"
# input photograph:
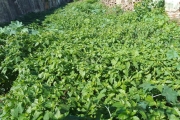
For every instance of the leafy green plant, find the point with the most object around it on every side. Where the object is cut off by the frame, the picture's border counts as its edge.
(85, 63)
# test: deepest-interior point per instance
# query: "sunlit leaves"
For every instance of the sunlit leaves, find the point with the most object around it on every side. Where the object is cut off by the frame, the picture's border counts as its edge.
(147, 86)
(12, 28)
(171, 54)
(91, 62)
(36, 115)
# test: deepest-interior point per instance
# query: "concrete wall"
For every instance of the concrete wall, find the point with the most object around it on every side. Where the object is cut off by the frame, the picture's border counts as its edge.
(11, 9)
(172, 5)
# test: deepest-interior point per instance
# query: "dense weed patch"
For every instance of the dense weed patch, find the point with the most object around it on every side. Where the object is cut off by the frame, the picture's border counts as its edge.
(87, 61)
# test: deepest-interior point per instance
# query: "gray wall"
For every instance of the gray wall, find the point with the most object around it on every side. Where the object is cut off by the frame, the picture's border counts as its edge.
(11, 9)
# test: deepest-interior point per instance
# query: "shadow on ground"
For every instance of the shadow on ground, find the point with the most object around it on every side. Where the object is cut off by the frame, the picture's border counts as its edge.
(36, 18)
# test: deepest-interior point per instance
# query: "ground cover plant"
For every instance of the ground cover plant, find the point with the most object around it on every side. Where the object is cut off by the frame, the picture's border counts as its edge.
(87, 61)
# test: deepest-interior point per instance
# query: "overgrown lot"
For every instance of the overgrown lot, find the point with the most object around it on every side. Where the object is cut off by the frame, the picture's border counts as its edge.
(87, 62)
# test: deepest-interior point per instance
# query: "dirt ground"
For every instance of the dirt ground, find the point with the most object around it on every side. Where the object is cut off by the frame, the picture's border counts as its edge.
(174, 16)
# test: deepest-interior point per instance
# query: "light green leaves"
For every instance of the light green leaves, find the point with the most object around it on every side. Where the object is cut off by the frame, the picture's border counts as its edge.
(25, 30)
(143, 105)
(12, 29)
(36, 115)
(101, 94)
(87, 61)
(14, 113)
(118, 105)
(178, 66)
(135, 118)
(177, 111)
(173, 117)
(114, 61)
(171, 54)
(170, 94)
(17, 111)
(49, 104)
(149, 99)
(34, 32)
(82, 72)
(58, 115)
(147, 86)
(46, 116)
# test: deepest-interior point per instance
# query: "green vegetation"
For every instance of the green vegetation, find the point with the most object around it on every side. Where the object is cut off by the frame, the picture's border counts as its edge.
(87, 62)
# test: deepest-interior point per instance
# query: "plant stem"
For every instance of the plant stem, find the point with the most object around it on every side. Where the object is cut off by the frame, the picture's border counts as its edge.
(108, 111)
(157, 95)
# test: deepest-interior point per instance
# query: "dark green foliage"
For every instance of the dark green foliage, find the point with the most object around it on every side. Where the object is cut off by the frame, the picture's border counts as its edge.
(92, 62)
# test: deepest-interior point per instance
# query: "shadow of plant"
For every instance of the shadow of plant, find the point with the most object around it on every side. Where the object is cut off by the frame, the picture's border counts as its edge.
(31, 19)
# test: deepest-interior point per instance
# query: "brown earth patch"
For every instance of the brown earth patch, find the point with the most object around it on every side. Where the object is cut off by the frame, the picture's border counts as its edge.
(174, 16)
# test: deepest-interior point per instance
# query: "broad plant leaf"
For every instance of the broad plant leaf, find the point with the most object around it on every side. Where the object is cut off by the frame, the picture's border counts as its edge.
(170, 94)
(143, 105)
(147, 86)
(36, 115)
(171, 54)
(88, 61)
